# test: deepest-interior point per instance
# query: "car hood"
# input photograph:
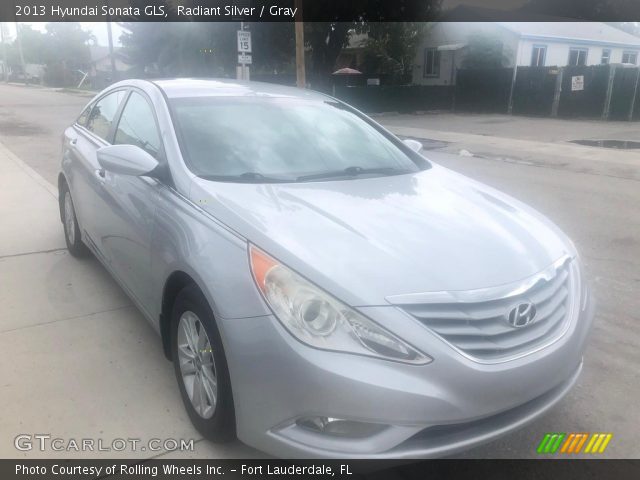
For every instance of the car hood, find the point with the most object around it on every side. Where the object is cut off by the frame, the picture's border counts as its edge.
(367, 239)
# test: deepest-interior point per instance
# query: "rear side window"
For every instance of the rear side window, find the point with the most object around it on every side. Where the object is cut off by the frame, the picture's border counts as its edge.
(137, 126)
(82, 119)
(103, 113)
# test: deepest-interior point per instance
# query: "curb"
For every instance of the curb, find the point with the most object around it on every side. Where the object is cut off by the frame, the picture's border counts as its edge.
(35, 176)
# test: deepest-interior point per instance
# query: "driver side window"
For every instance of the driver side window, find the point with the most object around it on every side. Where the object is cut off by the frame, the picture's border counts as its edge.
(137, 126)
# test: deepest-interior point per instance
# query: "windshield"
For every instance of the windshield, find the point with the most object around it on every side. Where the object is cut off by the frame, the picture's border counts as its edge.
(282, 139)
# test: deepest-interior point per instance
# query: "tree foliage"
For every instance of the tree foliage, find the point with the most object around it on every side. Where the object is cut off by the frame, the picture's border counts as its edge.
(67, 51)
(205, 49)
(174, 49)
(391, 47)
(484, 50)
(325, 41)
(63, 49)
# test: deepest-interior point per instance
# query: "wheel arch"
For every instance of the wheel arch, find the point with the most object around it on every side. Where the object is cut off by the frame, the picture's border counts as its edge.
(175, 283)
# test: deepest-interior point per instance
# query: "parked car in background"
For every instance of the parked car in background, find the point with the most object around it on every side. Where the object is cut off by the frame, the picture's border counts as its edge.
(322, 289)
(33, 73)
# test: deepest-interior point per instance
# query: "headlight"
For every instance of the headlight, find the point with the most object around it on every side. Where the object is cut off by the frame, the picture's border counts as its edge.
(319, 320)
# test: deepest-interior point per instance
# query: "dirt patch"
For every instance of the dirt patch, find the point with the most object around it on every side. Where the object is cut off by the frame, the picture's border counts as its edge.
(625, 241)
(495, 121)
(16, 128)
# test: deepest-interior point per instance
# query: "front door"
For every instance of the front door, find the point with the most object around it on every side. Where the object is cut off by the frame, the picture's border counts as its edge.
(124, 232)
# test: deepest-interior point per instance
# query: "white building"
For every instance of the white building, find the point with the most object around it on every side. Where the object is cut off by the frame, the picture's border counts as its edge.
(524, 44)
(101, 60)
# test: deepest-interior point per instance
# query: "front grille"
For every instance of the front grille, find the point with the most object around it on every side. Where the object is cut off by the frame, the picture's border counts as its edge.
(480, 328)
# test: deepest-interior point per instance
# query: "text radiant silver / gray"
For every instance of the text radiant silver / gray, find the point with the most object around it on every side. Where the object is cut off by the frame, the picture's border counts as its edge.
(322, 289)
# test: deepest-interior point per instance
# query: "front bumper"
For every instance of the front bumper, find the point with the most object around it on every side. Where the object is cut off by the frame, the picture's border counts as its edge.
(451, 404)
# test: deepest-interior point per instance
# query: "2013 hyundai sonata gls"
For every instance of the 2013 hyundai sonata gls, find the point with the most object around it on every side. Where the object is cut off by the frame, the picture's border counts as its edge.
(322, 289)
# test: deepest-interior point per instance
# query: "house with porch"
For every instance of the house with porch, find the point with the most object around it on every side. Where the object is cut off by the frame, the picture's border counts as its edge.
(538, 44)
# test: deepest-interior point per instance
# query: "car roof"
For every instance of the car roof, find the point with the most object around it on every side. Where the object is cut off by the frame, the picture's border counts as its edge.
(199, 87)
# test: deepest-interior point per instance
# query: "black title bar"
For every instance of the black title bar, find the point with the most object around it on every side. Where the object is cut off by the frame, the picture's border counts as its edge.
(320, 469)
(219, 10)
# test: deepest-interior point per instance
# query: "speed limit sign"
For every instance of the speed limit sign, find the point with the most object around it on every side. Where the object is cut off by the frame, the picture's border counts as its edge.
(244, 41)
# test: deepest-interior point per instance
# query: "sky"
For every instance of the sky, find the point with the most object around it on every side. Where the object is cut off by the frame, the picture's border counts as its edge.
(99, 30)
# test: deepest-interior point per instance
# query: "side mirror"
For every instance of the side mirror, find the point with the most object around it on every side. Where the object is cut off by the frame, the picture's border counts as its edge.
(126, 160)
(414, 145)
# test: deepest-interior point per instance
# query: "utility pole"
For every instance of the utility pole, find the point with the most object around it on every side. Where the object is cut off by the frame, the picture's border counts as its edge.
(5, 62)
(19, 43)
(607, 100)
(557, 94)
(111, 57)
(634, 98)
(301, 81)
(513, 81)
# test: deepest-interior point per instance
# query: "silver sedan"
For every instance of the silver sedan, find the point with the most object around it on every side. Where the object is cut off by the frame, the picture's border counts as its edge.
(322, 288)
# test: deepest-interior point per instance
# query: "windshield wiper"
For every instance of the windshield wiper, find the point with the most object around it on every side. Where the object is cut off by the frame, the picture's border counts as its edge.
(246, 177)
(353, 172)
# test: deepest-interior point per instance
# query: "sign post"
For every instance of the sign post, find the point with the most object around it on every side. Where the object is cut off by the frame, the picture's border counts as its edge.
(244, 52)
(301, 80)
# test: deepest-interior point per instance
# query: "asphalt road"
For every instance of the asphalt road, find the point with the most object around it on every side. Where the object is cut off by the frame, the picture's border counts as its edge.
(597, 206)
(32, 121)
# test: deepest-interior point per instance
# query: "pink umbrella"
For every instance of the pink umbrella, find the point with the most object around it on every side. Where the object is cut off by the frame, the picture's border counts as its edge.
(347, 71)
(344, 72)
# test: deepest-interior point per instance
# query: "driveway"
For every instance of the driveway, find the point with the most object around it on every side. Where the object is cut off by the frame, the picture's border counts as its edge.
(84, 363)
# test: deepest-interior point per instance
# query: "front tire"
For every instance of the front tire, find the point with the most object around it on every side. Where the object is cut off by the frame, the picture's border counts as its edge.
(72, 235)
(201, 367)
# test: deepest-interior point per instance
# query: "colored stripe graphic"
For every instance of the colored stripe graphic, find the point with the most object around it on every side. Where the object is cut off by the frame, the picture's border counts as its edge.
(598, 443)
(577, 443)
(565, 447)
(572, 443)
(557, 443)
(581, 442)
(551, 442)
(606, 441)
(543, 443)
(594, 437)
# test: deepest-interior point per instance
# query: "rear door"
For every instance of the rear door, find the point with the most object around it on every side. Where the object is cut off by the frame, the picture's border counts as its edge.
(91, 132)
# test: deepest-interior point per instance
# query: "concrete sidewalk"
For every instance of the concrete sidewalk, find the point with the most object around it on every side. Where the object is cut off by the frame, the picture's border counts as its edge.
(79, 361)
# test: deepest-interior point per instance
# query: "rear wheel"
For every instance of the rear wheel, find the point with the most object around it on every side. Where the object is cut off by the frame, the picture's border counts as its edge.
(72, 233)
(201, 367)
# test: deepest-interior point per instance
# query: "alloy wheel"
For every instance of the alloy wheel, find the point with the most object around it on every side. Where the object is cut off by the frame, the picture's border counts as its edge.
(197, 364)
(69, 218)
